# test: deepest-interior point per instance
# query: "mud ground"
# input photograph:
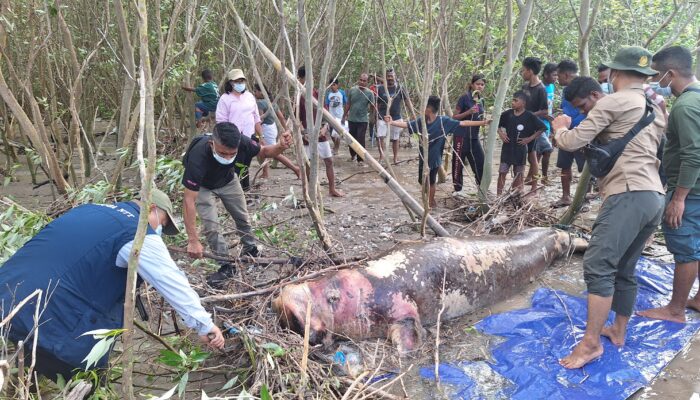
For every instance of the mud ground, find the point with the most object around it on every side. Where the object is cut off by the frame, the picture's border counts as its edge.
(370, 219)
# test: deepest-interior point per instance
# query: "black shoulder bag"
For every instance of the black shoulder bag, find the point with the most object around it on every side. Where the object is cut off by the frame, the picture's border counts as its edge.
(602, 157)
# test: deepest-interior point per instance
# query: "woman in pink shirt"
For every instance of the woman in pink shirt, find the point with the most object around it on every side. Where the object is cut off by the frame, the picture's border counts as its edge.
(239, 107)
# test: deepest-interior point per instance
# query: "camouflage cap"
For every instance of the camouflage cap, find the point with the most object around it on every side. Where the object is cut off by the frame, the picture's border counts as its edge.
(632, 58)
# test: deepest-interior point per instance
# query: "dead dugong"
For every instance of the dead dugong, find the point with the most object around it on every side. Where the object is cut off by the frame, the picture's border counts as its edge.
(396, 294)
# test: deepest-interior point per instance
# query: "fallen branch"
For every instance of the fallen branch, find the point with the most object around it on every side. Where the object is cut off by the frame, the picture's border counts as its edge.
(258, 260)
(159, 339)
(238, 296)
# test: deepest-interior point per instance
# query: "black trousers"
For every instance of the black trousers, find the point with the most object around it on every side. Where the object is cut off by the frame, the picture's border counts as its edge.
(465, 149)
(358, 130)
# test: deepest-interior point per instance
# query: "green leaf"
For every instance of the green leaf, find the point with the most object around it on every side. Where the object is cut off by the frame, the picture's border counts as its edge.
(199, 356)
(244, 395)
(98, 351)
(183, 384)
(265, 393)
(170, 358)
(230, 383)
(60, 381)
(167, 395)
(274, 348)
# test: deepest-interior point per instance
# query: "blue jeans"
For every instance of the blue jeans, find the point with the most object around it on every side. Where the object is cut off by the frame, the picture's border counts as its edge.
(684, 242)
(200, 110)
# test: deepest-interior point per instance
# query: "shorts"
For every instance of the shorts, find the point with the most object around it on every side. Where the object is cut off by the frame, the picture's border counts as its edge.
(505, 167)
(334, 133)
(684, 242)
(565, 159)
(531, 146)
(394, 130)
(324, 150)
(269, 134)
(542, 145)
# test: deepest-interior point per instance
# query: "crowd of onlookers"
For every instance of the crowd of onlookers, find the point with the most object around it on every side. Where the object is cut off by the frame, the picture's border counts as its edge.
(617, 123)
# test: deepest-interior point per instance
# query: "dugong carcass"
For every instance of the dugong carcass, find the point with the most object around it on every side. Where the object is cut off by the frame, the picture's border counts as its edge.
(396, 294)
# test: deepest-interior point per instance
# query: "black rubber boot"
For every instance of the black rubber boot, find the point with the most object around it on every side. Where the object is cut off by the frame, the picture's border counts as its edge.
(225, 272)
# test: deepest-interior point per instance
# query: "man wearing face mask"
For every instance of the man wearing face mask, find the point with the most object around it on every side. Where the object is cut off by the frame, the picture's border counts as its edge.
(631, 191)
(209, 173)
(79, 261)
(681, 161)
(239, 107)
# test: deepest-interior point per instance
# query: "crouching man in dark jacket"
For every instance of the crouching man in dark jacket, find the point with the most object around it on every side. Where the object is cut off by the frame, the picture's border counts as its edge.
(79, 261)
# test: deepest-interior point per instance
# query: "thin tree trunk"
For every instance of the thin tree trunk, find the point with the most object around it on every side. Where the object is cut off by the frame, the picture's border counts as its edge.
(697, 55)
(586, 25)
(311, 130)
(36, 133)
(663, 25)
(314, 212)
(129, 65)
(385, 176)
(512, 50)
(147, 130)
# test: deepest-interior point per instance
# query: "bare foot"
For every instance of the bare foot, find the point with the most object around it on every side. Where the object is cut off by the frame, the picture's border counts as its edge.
(583, 354)
(693, 304)
(664, 313)
(617, 338)
(336, 193)
(563, 202)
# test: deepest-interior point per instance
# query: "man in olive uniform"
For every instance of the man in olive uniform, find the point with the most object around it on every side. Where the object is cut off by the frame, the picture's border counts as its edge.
(632, 192)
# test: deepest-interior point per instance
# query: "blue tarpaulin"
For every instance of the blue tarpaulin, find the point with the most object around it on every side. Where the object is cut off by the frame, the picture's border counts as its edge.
(537, 337)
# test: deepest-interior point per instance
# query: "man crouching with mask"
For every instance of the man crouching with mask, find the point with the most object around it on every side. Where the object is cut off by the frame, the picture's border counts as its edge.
(209, 173)
(631, 191)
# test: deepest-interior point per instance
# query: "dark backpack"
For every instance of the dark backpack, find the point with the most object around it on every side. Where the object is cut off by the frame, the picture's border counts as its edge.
(601, 157)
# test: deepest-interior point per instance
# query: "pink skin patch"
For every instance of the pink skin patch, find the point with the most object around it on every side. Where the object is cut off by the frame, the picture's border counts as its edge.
(338, 304)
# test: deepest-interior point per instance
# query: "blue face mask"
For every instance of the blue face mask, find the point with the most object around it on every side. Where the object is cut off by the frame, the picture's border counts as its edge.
(239, 87)
(159, 228)
(664, 91)
(222, 160)
(607, 88)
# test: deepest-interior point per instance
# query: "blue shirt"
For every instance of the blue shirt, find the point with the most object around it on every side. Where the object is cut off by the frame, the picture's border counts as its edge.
(437, 133)
(573, 112)
(550, 107)
(463, 104)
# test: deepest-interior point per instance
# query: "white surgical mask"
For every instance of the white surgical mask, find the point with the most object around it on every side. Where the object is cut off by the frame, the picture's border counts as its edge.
(664, 91)
(222, 160)
(239, 87)
(607, 87)
(159, 228)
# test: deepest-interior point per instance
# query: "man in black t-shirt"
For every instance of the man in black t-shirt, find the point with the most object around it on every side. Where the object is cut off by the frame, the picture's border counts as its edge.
(209, 173)
(536, 104)
(517, 128)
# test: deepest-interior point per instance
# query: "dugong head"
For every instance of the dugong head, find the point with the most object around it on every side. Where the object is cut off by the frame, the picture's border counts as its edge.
(337, 302)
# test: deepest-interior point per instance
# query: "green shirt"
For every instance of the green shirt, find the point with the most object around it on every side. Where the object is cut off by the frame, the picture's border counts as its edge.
(209, 94)
(359, 100)
(682, 150)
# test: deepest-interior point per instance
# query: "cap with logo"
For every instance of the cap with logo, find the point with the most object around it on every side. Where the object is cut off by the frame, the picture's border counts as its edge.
(632, 58)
